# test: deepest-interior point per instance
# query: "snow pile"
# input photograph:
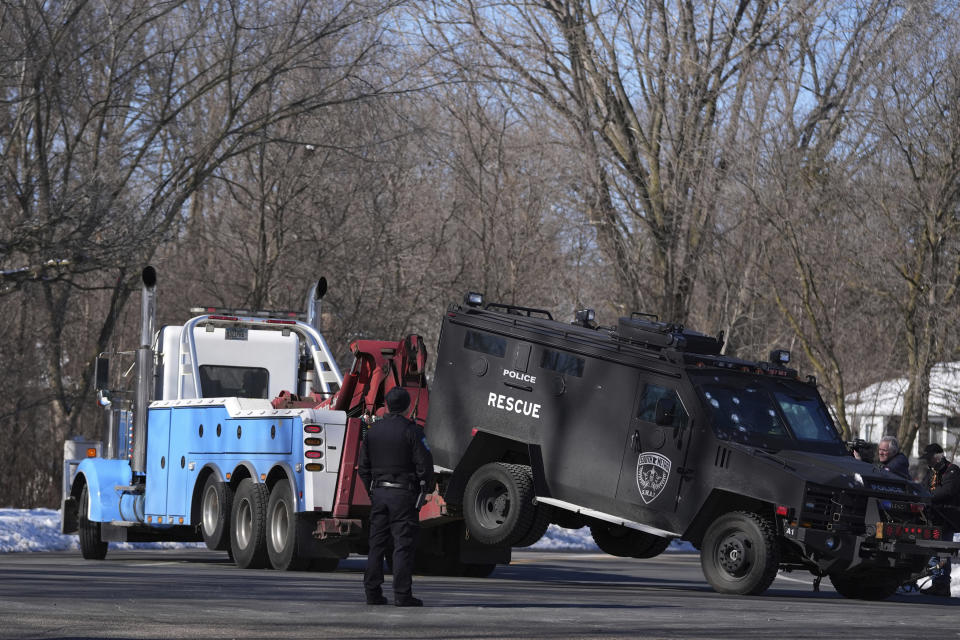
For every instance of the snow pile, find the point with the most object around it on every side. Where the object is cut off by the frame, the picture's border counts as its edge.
(39, 530)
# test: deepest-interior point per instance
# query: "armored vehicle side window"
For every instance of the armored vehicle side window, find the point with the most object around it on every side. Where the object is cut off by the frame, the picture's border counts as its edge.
(562, 363)
(485, 343)
(233, 382)
(647, 409)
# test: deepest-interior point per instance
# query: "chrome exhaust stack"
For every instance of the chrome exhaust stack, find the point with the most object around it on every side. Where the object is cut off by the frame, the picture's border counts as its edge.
(148, 323)
(317, 291)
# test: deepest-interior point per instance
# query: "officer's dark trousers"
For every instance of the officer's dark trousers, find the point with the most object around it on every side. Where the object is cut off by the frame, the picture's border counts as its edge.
(393, 514)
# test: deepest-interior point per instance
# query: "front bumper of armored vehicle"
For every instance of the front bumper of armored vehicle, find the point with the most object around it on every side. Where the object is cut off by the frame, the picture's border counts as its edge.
(839, 530)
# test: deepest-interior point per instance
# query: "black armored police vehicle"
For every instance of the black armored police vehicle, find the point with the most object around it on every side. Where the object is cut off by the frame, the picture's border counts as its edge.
(646, 433)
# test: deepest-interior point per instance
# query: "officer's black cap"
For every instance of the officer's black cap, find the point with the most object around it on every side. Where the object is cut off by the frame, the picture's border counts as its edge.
(397, 400)
(932, 449)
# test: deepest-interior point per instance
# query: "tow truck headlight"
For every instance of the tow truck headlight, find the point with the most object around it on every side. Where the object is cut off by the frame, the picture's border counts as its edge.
(780, 356)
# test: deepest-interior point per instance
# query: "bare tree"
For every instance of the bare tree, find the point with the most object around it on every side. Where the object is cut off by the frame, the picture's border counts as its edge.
(115, 114)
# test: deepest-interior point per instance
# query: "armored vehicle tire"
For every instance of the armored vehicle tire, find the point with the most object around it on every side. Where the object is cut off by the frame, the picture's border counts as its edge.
(498, 503)
(651, 546)
(282, 530)
(216, 504)
(866, 585)
(613, 539)
(91, 546)
(248, 530)
(740, 554)
(542, 514)
(477, 570)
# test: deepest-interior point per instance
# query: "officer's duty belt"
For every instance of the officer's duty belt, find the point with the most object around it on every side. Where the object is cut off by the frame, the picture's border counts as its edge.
(391, 485)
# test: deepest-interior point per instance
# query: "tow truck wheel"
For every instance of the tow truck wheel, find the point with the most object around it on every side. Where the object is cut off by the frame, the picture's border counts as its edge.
(216, 503)
(91, 546)
(323, 564)
(740, 554)
(282, 530)
(498, 503)
(866, 585)
(248, 537)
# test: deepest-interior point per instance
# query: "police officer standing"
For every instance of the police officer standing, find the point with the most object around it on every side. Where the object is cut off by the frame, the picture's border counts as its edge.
(396, 467)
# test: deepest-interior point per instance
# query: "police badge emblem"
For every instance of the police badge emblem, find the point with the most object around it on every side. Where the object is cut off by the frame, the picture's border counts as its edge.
(653, 471)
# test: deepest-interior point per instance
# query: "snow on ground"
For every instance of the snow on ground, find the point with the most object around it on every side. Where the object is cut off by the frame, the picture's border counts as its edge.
(39, 530)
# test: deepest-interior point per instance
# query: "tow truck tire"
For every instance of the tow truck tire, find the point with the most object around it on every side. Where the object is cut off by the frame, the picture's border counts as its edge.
(324, 565)
(498, 503)
(282, 530)
(91, 546)
(740, 554)
(866, 585)
(248, 530)
(216, 504)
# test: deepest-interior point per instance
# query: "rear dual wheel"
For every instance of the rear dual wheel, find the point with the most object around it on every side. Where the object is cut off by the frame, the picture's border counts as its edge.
(499, 509)
(248, 538)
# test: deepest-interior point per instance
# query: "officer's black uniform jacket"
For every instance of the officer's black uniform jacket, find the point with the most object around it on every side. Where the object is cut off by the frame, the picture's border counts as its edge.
(944, 484)
(395, 450)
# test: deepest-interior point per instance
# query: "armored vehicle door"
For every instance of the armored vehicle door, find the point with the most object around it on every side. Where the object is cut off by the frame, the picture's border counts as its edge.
(655, 448)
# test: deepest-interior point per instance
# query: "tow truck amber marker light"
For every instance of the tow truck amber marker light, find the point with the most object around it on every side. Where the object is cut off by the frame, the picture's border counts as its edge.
(91, 453)
(313, 466)
(879, 533)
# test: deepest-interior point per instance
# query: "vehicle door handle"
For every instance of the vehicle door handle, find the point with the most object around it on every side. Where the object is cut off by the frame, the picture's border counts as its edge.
(635, 441)
(521, 387)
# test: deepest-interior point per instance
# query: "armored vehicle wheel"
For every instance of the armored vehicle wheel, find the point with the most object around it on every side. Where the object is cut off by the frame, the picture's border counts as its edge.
(866, 585)
(650, 546)
(282, 530)
(248, 537)
(477, 570)
(498, 503)
(740, 554)
(616, 539)
(91, 546)
(542, 514)
(216, 503)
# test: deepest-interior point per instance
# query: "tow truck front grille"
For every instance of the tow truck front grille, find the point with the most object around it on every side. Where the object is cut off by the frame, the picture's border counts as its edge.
(832, 509)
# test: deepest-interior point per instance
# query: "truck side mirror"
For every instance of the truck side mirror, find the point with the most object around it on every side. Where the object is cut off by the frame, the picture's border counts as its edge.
(666, 408)
(102, 373)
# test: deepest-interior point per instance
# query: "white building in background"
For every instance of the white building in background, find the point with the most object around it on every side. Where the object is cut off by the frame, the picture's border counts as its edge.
(875, 411)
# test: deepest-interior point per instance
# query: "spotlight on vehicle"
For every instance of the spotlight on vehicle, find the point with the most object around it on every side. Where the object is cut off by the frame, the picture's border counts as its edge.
(473, 299)
(584, 317)
(780, 356)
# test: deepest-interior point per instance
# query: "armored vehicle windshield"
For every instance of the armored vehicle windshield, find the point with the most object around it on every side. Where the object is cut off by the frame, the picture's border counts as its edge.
(769, 413)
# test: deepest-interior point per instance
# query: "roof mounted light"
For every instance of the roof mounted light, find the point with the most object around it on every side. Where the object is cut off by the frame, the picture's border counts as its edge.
(584, 317)
(780, 356)
(473, 299)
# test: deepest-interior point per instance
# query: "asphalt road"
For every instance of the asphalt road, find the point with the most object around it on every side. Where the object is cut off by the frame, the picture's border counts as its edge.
(199, 594)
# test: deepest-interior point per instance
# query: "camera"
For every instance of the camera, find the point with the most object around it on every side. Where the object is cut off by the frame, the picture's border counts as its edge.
(866, 450)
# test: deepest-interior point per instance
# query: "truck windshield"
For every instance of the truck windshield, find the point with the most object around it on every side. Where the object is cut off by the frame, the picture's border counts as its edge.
(769, 413)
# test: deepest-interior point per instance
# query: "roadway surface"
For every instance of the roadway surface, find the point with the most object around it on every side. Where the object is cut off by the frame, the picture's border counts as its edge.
(194, 593)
